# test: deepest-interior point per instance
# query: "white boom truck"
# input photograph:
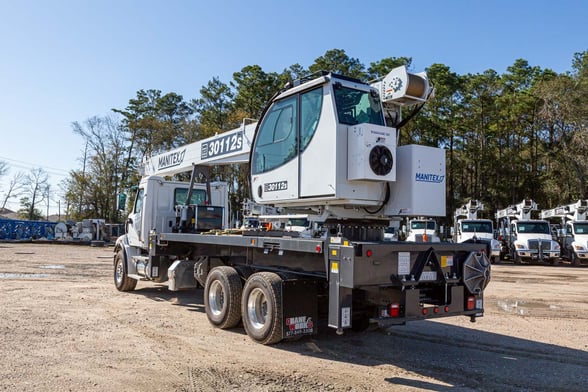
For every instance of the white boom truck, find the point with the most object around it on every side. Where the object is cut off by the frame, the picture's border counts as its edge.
(323, 146)
(467, 227)
(573, 235)
(526, 239)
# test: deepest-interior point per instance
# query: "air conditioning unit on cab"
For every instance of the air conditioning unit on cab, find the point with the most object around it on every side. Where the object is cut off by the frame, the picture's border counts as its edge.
(371, 153)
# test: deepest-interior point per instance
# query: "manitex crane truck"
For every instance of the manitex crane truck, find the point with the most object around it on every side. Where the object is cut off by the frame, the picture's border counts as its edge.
(325, 145)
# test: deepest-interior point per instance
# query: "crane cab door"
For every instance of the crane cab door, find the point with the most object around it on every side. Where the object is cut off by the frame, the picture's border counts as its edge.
(280, 163)
(274, 161)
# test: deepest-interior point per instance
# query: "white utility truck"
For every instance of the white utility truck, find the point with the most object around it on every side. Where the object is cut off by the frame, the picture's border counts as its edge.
(573, 232)
(326, 146)
(526, 239)
(467, 227)
(422, 230)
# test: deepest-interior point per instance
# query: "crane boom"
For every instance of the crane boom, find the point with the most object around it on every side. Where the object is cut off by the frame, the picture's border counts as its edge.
(226, 148)
(574, 211)
(518, 211)
(469, 210)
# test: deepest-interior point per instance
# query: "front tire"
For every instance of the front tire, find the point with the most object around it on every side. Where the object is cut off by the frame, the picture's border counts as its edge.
(121, 279)
(261, 307)
(573, 259)
(222, 297)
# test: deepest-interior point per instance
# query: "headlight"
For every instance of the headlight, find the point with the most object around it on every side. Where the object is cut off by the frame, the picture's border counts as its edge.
(554, 245)
(579, 247)
(519, 246)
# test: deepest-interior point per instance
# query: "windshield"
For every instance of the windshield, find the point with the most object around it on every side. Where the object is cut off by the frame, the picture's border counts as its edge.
(476, 227)
(581, 228)
(534, 227)
(356, 106)
(420, 225)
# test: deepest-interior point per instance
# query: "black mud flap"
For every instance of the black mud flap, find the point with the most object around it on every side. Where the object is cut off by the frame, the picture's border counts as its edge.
(300, 308)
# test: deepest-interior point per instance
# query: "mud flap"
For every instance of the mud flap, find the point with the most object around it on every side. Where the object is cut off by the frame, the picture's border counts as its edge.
(300, 308)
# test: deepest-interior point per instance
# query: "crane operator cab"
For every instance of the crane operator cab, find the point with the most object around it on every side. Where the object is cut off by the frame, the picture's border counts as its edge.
(324, 144)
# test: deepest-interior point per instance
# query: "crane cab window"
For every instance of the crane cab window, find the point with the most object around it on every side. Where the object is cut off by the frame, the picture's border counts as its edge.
(311, 104)
(357, 107)
(287, 122)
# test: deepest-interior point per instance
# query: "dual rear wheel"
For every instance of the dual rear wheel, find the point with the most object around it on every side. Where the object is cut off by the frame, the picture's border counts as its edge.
(258, 303)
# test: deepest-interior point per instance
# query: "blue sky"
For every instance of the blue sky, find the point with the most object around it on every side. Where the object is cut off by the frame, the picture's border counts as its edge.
(67, 60)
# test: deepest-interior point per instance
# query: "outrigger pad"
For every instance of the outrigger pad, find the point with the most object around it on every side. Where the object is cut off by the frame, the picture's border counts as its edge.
(476, 272)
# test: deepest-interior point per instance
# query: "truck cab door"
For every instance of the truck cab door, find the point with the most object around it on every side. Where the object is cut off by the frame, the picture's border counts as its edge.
(135, 220)
(513, 232)
(568, 239)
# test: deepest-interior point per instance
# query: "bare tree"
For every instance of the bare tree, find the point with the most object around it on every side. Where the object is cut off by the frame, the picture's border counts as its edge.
(15, 186)
(34, 191)
(93, 190)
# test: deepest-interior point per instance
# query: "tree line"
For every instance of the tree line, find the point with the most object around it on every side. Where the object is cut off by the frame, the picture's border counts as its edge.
(520, 134)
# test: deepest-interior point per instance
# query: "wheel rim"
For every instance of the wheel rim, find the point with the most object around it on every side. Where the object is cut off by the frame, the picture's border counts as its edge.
(119, 272)
(216, 298)
(257, 308)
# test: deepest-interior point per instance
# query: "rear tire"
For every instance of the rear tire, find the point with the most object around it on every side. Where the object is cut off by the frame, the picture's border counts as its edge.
(261, 307)
(222, 297)
(121, 279)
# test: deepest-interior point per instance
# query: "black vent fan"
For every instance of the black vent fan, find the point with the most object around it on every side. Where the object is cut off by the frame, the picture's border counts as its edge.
(381, 160)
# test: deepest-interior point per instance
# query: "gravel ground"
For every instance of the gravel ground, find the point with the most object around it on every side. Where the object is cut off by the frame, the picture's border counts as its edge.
(64, 327)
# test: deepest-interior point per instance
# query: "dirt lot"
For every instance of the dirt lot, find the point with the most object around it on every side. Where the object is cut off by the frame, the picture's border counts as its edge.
(64, 327)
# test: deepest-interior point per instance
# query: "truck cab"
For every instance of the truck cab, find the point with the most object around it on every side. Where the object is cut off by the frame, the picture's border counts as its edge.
(478, 230)
(531, 240)
(574, 241)
(422, 230)
(157, 202)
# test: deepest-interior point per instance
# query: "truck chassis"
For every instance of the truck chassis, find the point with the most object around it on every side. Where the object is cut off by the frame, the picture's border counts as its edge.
(281, 287)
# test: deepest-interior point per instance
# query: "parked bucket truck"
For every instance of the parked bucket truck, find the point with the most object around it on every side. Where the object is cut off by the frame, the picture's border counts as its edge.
(467, 227)
(277, 284)
(525, 239)
(573, 232)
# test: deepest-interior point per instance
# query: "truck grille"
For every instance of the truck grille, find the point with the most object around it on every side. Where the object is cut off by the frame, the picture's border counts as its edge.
(541, 245)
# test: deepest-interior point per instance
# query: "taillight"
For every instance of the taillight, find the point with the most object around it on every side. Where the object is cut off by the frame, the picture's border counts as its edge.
(368, 253)
(471, 304)
(394, 310)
